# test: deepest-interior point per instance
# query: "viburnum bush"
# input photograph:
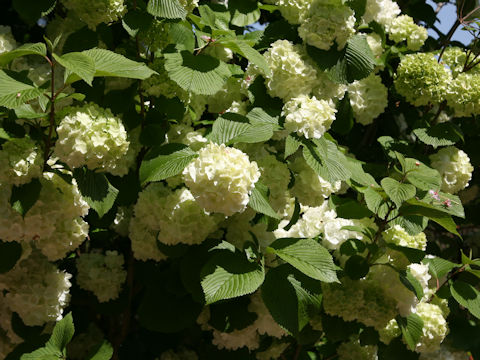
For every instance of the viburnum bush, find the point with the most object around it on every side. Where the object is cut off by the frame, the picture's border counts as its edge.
(193, 179)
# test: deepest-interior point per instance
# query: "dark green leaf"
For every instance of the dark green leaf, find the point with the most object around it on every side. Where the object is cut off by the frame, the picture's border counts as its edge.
(169, 9)
(411, 329)
(228, 275)
(164, 162)
(244, 12)
(79, 64)
(411, 283)
(201, 74)
(26, 49)
(300, 297)
(96, 190)
(105, 352)
(356, 267)
(259, 202)
(62, 333)
(10, 252)
(14, 93)
(397, 191)
(308, 256)
(31, 11)
(467, 296)
(25, 196)
(344, 118)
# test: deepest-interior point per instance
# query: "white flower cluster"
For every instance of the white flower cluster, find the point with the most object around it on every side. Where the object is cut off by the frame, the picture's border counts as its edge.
(53, 223)
(326, 89)
(92, 136)
(390, 332)
(221, 178)
(184, 134)
(20, 160)
(310, 188)
(7, 41)
(94, 12)
(293, 10)
(454, 167)
(368, 97)
(422, 80)
(249, 336)
(36, 290)
(434, 328)
(308, 116)
(398, 236)
(402, 28)
(381, 11)
(326, 22)
(101, 274)
(291, 74)
(445, 354)
(464, 95)
(189, 5)
(353, 350)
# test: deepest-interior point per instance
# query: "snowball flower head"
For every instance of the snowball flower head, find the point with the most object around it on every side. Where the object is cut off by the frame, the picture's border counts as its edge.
(328, 21)
(92, 136)
(221, 178)
(291, 74)
(421, 79)
(94, 12)
(36, 290)
(20, 160)
(389, 332)
(398, 236)
(7, 41)
(464, 94)
(308, 116)
(353, 350)
(381, 11)
(454, 167)
(434, 328)
(402, 28)
(104, 275)
(368, 97)
(293, 11)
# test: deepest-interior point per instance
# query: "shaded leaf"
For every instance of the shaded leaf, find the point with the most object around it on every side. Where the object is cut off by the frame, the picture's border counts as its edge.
(23, 197)
(411, 329)
(259, 201)
(308, 256)
(23, 50)
(10, 252)
(467, 296)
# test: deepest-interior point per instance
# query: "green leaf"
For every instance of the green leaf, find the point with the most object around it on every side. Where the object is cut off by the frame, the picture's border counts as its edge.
(443, 134)
(414, 207)
(228, 275)
(44, 353)
(348, 208)
(358, 6)
(105, 352)
(326, 160)
(308, 256)
(291, 297)
(96, 190)
(397, 191)
(182, 36)
(23, 197)
(201, 74)
(259, 116)
(234, 128)
(413, 255)
(411, 283)
(292, 143)
(169, 9)
(215, 16)
(79, 64)
(439, 267)
(295, 215)
(454, 208)
(26, 49)
(376, 203)
(259, 202)
(62, 333)
(358, 174)
(10, 252)
(108, 63)
(135, 21)
(411, 329)
(344, 118)
(164, 162)
(359, 58)
(356, 267)
(244, 12)
(243, 49)
(422, 176)
(467, 296)
(14, 93)
(26, 111)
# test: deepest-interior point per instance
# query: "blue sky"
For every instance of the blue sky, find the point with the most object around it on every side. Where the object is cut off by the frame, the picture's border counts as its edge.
(447, 17)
